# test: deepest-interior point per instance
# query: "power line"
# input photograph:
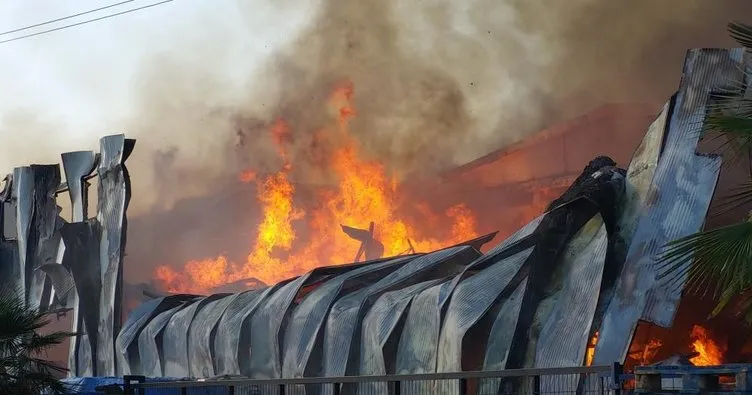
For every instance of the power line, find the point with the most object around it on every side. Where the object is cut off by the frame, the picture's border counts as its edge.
(66, 17)
(86, 21)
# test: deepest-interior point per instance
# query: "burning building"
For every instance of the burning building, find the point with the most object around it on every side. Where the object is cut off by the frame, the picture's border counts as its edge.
(571, 287)
(567, 289)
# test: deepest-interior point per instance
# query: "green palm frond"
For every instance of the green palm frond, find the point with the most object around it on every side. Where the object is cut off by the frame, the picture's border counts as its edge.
(716, 261)
(22, 348)
(742, 33)
(740, 196)
(731, 122)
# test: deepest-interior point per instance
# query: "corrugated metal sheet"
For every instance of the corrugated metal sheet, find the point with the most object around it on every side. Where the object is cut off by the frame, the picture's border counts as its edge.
(126, 344)
(500, 338)
(113, 194)
(302, 333)
(233, 332)
(82, 257)
(565, 333)
(175, 338)
(201, 336)
(76, 166)
(471, 299)
(677, 203)
(150, 343)
(23, 194)
(378, 328)
(420, 336)
(137, 319)
(43, 249)
(342, 328)
(265, 324)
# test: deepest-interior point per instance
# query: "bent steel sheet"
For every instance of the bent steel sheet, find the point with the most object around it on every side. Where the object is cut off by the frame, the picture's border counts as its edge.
(43, 234)
(114, 194)
(150, 343)
(23, 196)
(342, 327)
(81, 256)
(175, 338)
(77, 166)
(201, 337)
(233, 332)
(126, 344)
(677, 203)
(471, 300)
(416, 352)
(131, 329)
(377, 355)
(566, 332)
(500, 338)
(302, 353)
(266, 325)
(62, 283)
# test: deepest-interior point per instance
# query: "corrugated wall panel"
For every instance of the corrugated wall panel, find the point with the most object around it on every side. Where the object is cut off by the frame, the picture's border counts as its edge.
(303, 333)
(201, 351)
(677, 203)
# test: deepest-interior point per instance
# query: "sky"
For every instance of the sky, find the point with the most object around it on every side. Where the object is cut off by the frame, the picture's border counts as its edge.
(67, 88)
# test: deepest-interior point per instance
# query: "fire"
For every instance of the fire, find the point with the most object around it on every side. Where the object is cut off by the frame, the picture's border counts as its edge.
(247, 176)
(364, 193)
(650, 351)
(590, 353)
(708, 351)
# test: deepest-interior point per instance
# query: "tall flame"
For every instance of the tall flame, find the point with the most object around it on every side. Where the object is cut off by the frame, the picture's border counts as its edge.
(364, 193)
(708, 351)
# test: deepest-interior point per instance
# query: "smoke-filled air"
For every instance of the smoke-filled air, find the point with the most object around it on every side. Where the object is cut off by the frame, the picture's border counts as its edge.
(249, 174)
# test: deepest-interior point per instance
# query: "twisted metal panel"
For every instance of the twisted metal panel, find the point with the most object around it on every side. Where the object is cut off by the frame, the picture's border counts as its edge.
(233, 333)
(471, 300)
(23, 197)
(678, 201)
(150, 344)
(380, 334)
(342, 333)
(43, 238)
(81, 256)
(302, 351)
(202, 334)
(114, 194)
(176, 351)
(566, 331)
(126, 344)
(77, 166)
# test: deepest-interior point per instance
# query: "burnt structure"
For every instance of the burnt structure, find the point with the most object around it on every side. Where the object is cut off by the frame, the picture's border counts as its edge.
(62, 264)
(587, 265)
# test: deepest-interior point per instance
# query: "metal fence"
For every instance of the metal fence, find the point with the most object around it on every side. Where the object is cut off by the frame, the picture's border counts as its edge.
(581, 380)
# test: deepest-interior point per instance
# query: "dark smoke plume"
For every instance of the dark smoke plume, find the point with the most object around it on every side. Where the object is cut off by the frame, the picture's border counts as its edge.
(437, 83)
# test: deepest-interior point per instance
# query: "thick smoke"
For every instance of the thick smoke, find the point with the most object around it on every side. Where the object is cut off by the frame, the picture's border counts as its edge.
(437, 82)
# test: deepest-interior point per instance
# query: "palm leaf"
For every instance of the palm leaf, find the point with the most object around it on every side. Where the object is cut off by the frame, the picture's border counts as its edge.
(22, 368)
(741, 33)
(732, 123)
(716, 261)
(740, 196)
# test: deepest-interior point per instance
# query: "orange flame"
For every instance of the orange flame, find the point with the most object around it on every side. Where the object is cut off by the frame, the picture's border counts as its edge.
(247, 176)
(650, 351)
(590, 353)
(364, 194)
(709, 353)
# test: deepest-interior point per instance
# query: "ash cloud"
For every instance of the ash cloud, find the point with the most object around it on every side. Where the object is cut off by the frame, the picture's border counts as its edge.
(437, 82)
